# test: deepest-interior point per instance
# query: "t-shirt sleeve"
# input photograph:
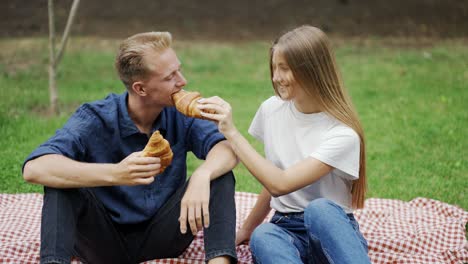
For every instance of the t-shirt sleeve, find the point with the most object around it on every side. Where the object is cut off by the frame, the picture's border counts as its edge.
(67, 141)
(202, 136)
(341, 150)
(257, 127)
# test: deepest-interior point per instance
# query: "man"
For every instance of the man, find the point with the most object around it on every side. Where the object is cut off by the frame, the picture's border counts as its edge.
(106, 203)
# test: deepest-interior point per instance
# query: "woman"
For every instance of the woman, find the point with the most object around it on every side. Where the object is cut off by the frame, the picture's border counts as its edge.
(315, 158)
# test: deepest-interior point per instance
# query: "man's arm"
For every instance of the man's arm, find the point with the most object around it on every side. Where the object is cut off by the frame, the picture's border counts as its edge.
(220, 160)
(195, 203)
(58, 171)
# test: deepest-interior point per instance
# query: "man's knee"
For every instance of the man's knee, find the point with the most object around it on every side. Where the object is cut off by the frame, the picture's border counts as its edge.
(224, 185)
(222, 192)
(65, 192)
(226, 179)
(56, 195)
(64, 200)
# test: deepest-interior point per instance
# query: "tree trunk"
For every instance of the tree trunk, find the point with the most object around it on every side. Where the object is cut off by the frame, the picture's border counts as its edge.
(66, 32)
(53, 95)
(54, 59)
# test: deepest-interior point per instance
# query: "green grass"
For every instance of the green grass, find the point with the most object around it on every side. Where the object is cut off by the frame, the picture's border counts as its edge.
(412, 102)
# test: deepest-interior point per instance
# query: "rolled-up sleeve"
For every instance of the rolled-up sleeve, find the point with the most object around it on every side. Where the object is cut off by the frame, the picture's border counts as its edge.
(202, 136)
(69, 140)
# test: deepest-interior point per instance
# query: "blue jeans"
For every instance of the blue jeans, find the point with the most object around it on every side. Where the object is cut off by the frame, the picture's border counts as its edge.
(75, 223)
(323, 233)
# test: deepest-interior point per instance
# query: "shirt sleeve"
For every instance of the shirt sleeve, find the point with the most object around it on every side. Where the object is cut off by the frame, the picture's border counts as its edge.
(69, 140)
(257, 127)
(202, 136)
(341, 150)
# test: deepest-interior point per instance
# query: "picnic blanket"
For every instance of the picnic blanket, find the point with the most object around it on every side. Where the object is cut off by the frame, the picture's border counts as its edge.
(418, 231)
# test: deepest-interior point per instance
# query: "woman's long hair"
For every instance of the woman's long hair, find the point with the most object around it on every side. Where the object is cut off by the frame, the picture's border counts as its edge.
(309, 55)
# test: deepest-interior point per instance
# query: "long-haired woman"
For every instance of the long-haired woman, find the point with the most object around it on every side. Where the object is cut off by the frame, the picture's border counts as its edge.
(314, 172)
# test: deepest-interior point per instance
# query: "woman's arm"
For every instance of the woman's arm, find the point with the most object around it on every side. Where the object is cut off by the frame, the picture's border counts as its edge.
(255, 218)
(277, 181)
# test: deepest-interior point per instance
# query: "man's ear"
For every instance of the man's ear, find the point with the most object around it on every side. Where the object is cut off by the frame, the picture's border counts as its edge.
(139, 88)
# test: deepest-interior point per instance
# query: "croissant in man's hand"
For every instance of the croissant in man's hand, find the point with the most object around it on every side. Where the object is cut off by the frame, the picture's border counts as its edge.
(159, 147)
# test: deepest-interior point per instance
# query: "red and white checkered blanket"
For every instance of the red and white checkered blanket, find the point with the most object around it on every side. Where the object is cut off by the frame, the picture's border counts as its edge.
(419, 231)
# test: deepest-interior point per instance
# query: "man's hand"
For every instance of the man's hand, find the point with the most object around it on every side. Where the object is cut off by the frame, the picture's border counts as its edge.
(136, 170)
(194, 207)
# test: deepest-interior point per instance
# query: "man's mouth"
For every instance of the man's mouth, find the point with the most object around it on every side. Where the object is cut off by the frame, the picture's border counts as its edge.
(176, 92)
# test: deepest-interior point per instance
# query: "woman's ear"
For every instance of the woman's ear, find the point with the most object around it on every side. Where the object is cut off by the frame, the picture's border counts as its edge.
(139, 88)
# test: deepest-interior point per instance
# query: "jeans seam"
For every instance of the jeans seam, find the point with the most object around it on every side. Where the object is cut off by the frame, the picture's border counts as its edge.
(330, 260)
(355, 224)
(278, 220)
(54, 260)
(323, 249)
(222, 252)
(255, 259)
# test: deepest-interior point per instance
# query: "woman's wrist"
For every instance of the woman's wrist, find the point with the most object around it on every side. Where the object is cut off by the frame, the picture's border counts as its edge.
(232, 134)
(248, 227)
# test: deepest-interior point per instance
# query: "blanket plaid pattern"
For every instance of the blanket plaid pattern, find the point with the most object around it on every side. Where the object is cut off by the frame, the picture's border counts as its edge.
(419, 231)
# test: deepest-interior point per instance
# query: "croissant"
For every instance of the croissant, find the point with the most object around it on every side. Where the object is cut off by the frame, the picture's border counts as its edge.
(186, 103)
(158, 147)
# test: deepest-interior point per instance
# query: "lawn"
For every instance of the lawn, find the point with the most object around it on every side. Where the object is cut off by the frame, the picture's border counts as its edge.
(412, 100)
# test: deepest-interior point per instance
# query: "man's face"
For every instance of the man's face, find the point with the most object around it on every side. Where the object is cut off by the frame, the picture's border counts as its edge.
(165, 76)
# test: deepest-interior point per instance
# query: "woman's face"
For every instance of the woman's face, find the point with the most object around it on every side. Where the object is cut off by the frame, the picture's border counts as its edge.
(283, 78)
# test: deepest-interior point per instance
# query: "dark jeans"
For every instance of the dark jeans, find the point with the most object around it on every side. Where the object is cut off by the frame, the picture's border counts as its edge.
(75, 223)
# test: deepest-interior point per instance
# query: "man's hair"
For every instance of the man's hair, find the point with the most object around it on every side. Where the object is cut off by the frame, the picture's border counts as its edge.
(130, 63)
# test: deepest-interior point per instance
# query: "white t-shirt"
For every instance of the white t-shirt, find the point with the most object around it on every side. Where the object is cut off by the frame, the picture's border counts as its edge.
(290, 136)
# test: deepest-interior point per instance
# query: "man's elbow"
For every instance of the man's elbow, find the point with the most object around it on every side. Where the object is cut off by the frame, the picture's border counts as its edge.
(30, 174)
(234, 162)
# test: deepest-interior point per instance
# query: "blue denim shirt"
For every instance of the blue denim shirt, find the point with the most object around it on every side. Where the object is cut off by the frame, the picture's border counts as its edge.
(103, 132)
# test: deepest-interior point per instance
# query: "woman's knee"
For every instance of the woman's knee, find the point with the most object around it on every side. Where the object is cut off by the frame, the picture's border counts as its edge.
(319, 206)
(321, 211)
(261, 236)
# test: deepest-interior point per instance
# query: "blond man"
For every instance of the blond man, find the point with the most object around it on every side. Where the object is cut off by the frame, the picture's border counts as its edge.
(106, 203)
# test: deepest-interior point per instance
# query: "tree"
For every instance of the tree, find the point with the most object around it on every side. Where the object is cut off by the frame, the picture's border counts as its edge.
(55, 58)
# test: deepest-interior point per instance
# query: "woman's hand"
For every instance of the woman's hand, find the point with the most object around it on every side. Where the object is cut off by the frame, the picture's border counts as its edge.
(222, 114)
(242, 236)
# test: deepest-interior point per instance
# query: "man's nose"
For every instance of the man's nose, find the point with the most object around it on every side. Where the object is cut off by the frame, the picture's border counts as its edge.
(181, 81)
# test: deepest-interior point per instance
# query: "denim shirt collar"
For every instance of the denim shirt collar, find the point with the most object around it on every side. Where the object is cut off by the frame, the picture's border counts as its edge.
(128, 127)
